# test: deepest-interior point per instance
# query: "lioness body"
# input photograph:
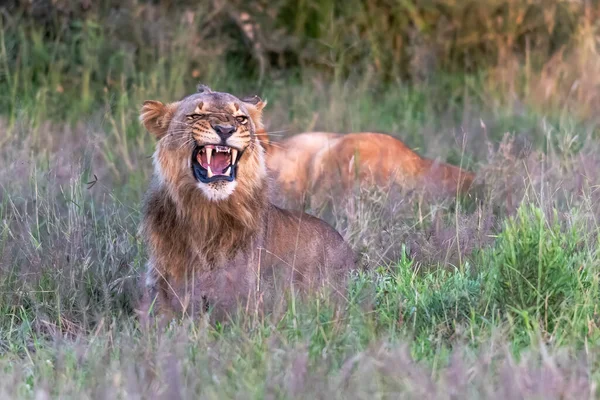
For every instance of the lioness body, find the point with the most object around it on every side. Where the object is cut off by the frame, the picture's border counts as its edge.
(318, 162)
(214, 239)
(291, 161)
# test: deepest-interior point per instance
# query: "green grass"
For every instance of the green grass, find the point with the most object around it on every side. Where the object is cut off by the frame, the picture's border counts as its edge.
(494, 297)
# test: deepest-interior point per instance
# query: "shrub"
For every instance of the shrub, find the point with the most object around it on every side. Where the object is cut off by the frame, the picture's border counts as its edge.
(535, 266)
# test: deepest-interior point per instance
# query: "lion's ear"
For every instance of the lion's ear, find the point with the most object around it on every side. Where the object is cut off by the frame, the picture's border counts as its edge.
(201, 88)
(156, 117)
(255, 105)
(255, 101)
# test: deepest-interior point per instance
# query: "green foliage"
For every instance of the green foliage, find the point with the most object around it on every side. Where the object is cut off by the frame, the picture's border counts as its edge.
(406, 39)
(425, 304)
(537, 267)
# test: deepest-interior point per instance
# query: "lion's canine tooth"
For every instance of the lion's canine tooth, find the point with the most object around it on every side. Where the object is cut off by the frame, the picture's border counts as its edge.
(227, 171)
(209, 172)
(234, 153)
(208, 154)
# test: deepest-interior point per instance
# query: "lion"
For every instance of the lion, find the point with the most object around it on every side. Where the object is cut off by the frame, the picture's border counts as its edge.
(317, 163)
(214, 239)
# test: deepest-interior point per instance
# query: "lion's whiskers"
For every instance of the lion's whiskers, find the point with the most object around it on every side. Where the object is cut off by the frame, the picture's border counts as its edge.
(276, 132)
(263, 132)
(268, 143)
(181, 123)
(185, 143)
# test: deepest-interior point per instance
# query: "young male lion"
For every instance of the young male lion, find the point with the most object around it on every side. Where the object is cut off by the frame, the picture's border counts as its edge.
(213, 237)
(317, 163)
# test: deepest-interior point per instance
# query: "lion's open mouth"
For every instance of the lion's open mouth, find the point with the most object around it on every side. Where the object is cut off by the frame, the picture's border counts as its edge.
(212, 163)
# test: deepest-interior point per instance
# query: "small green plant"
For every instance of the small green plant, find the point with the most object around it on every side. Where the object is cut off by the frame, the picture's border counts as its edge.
(536, 267)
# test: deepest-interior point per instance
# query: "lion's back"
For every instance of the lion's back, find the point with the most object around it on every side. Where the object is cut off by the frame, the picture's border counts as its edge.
(308, 247)
(290, 162)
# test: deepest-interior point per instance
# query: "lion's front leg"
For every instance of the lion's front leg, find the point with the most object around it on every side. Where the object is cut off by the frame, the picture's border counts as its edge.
(154, 308)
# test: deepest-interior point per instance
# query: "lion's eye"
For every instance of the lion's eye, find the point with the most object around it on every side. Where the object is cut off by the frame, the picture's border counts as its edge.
(242, 119)
(193, 116)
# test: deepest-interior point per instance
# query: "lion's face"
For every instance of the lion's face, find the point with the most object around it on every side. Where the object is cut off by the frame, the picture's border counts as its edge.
(222, 131)
(207, 140)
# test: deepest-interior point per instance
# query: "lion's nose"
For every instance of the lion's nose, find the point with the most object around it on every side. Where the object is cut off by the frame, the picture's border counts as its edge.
(224, 131)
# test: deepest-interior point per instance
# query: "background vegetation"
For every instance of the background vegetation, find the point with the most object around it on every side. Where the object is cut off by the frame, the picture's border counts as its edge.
(495, 298)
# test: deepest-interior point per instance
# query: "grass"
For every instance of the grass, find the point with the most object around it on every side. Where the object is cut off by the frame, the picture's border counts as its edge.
(489, 298)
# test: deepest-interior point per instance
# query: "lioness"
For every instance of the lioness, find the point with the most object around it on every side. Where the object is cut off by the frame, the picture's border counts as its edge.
(213, 237)
(316, 163)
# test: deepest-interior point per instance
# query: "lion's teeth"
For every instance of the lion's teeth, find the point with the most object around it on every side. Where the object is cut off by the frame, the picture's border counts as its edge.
(227, 171)
(208, 155)
(234, 153)
(209, 172)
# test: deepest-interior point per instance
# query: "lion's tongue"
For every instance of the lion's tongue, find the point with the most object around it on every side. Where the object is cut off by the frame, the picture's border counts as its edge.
(218, 162)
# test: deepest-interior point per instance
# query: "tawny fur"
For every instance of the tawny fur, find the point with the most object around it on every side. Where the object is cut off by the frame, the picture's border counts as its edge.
(232, 251)
(317, 163)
